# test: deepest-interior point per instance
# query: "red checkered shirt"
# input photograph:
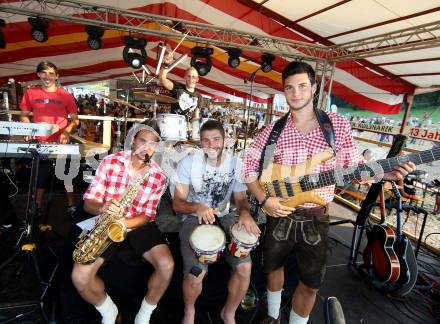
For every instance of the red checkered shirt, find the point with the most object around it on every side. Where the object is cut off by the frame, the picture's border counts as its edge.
(293, 148)
(112, 179)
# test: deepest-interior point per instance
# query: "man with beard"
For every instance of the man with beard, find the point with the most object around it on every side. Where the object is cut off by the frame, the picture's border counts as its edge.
(303, 231)
(188, 99)
(113, 176)
(205, 182)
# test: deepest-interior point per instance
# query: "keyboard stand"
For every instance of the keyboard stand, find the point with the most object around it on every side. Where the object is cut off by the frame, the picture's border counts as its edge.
(26, 243)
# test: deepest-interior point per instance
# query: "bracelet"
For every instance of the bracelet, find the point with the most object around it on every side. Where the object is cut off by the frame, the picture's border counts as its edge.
(264, 201)
(166, 66)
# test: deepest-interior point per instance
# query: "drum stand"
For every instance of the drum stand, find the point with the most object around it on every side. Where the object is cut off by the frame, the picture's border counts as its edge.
(29, 245)
(252, 79)
(118, 147)
(155, 108)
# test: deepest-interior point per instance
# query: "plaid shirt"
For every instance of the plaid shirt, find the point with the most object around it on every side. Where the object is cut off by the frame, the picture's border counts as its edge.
(112, 179)
(293, 148)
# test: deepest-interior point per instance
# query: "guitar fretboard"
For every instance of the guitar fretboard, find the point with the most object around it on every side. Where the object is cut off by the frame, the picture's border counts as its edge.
(365, 171)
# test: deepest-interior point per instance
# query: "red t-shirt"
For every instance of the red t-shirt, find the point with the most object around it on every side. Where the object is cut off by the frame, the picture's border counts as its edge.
(49, 107)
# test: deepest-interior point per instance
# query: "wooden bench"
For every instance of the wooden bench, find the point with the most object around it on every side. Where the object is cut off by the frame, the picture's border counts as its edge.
(356, 195)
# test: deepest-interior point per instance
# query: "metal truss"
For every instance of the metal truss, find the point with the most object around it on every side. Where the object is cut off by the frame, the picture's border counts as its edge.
(80, 12)
(324, 76)
(413, 38)
(149, 24)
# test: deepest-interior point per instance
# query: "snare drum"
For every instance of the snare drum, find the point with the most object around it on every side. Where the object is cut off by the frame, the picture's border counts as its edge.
(207, 242)
(242, 243)
(195, 128)
(172, 127)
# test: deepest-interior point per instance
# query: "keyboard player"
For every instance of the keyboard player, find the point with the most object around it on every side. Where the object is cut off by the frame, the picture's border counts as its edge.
(51, 104)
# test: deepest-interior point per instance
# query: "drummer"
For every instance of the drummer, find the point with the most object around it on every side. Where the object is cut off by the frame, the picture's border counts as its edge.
(188, 98)
(205, 182)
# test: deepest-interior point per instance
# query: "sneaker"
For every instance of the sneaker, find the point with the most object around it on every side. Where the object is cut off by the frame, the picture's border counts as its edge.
(71, 210)
(270, 320)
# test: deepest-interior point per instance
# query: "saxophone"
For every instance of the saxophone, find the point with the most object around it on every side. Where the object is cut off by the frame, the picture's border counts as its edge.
(107, 230)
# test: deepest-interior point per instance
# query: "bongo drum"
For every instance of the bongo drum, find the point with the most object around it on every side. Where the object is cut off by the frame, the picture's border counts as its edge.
(207, 242)
(242, 243)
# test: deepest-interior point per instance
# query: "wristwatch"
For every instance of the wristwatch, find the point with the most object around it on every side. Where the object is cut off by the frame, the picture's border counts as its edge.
(166, 66)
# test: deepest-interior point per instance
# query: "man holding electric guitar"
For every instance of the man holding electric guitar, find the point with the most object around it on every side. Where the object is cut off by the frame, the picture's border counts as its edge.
(278, 172)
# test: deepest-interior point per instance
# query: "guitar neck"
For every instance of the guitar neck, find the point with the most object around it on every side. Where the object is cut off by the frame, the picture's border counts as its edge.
(365, 171)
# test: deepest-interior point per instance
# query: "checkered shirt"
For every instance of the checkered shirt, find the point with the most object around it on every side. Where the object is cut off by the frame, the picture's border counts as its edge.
(112, 179)
(293, 148)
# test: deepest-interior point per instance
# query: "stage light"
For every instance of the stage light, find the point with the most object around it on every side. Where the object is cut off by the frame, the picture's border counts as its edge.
(266, 62)
(2, 37)
(95, 37)
(134, 51)
(201, 59)
(234, 57)
(39, 28)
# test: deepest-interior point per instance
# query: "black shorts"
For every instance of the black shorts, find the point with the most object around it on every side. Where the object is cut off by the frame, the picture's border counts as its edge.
(303, 234)
(139, 240)
(46, 170)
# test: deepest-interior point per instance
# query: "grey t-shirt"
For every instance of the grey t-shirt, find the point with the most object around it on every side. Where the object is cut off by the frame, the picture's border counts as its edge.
(211, 185)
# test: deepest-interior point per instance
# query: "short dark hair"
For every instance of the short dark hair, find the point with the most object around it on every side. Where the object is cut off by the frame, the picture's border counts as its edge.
(153, 124)
(46, 65)
(212, 124)
(296, 67)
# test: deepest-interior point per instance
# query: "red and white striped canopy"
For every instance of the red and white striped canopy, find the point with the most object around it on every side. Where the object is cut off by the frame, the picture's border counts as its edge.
(373, 84)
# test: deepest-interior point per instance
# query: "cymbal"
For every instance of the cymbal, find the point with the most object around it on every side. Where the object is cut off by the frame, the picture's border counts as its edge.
(89, 148)
(122, 102)
(152, 96)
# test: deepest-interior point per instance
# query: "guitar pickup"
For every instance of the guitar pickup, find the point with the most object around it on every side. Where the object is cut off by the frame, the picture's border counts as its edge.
(277, 188)
(288, 186)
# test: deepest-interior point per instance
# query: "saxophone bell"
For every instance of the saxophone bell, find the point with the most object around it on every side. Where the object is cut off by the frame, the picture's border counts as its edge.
(117, 231)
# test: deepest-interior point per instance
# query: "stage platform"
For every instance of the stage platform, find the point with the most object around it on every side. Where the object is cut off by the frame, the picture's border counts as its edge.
(362, 303)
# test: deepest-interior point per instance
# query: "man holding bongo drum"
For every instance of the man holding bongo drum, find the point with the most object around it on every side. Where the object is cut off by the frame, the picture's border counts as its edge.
(206, 180)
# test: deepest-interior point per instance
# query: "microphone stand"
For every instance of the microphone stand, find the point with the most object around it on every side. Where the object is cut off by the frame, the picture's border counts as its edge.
(252, 79)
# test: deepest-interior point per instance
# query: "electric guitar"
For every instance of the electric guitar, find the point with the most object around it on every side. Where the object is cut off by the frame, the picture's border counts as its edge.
(297, 183)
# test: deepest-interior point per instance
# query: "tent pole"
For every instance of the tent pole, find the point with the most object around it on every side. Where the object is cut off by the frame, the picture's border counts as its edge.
(409, 101)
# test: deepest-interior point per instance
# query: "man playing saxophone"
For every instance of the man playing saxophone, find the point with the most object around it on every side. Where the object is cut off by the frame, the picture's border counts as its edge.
(114, 177)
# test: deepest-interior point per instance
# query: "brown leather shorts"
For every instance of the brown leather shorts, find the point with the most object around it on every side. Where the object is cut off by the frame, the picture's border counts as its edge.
(304, 234)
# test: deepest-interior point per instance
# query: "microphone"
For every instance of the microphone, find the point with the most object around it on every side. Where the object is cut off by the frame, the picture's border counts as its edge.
(147, 158)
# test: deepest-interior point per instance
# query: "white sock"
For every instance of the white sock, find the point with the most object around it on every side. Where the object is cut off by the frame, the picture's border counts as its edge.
(273, 303)
(144, 314)
(294, 318)
(108, 310)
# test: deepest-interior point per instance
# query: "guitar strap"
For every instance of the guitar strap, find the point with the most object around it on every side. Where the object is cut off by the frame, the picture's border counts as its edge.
(273, 137)
(327, 128)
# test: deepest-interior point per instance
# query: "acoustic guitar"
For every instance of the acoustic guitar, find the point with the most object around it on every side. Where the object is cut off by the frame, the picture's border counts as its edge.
(405, 254)
(297, 183)
(379, 255)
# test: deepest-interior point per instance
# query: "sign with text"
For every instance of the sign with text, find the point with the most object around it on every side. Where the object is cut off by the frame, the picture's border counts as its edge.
(427, 133)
